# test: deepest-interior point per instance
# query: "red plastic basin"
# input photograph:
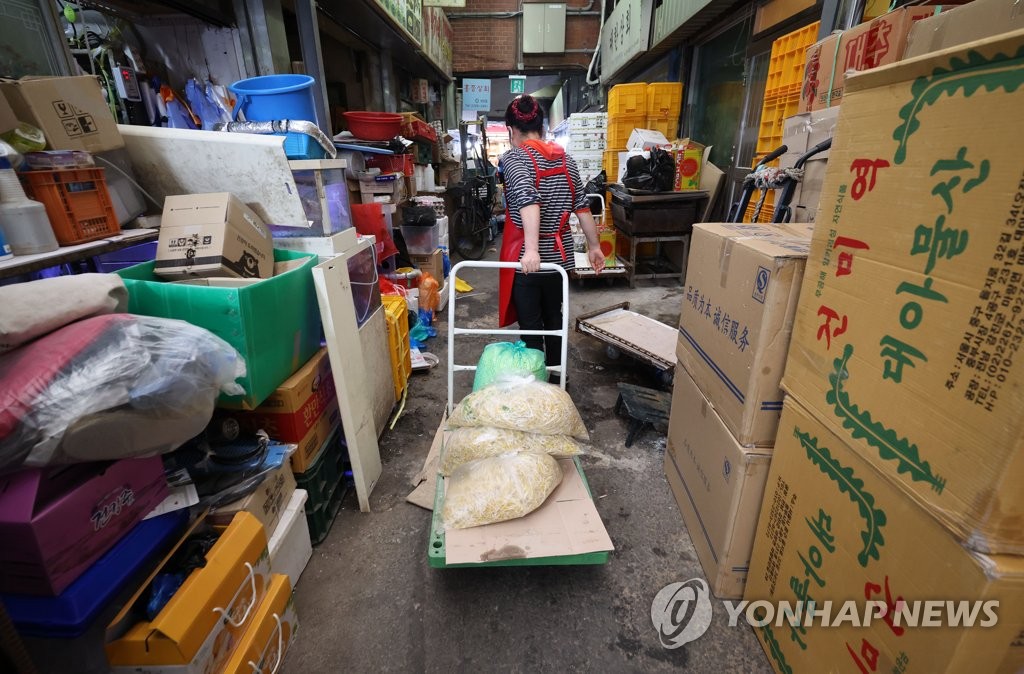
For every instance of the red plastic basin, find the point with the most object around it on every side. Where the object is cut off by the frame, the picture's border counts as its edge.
(374, 125)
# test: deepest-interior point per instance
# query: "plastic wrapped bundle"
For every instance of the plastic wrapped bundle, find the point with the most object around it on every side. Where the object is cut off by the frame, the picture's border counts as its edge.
(523, 404)
(503, 359)
(469, 444)
(111, 387)
(499, 488)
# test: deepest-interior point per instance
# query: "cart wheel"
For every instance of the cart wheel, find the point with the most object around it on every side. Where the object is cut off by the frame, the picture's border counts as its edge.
(612, 352)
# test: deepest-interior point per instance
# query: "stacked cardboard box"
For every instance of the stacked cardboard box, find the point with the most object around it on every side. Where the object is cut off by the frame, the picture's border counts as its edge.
(742, 285)
(901, 475)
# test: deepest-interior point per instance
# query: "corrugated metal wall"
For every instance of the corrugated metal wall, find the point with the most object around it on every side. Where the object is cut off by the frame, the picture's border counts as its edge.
(672, 14)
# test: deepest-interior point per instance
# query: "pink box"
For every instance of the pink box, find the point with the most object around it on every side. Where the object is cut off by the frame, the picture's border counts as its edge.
(56, 522)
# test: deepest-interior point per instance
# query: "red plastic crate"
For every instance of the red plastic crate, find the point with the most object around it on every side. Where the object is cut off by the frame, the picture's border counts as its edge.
(419, 130)
(77, 203)
(392, 163)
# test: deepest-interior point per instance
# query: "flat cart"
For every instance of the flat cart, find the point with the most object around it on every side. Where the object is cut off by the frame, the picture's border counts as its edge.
(626, 331)
(436, 551)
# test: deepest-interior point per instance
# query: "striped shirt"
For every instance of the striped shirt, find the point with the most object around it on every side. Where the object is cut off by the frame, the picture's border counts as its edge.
(554, 197)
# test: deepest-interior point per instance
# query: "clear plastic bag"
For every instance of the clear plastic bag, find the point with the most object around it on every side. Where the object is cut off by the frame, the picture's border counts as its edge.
(498, 488)
(469, 444)
(521, 404)
(503, 359)
(111, 387)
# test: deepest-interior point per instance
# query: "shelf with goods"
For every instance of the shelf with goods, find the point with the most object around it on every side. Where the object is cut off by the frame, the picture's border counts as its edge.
(781, 100)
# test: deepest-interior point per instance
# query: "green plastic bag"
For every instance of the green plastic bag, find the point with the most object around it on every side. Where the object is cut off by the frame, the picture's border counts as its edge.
(509, 358)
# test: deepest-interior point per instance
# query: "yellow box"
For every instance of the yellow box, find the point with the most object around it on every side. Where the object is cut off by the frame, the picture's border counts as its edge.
(196, 632)
(689, 160)
(264, 645)
(607, 237)
(309, 446)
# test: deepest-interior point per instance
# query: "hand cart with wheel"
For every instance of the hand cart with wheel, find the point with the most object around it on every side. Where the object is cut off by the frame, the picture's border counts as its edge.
(639, 336)
(436, 552)
(583, 270)
(765, 177)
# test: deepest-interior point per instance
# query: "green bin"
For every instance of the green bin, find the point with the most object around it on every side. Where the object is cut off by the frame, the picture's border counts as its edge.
(274, 324)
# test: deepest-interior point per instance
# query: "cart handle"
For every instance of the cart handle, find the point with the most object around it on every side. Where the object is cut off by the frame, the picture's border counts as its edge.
(453, 330)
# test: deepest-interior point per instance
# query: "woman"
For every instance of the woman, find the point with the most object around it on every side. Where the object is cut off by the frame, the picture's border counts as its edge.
(542, 189)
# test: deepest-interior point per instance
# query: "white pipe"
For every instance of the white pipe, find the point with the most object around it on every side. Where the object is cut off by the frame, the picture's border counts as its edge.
(592, 81)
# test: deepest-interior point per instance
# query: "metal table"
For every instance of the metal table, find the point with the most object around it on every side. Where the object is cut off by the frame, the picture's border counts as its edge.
(659, 265)
(26, 264)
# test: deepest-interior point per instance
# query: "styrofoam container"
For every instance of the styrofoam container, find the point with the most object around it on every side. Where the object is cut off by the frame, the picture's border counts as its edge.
(588, 121)
(587, 142)
(290, 545)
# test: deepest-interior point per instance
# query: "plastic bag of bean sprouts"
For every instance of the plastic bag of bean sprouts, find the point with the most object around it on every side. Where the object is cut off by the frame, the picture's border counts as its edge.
(468, 444)
(498, 488)
(521, 404)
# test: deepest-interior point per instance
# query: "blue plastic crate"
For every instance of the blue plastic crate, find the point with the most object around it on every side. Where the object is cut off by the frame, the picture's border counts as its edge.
(69, 614)
(302, 146)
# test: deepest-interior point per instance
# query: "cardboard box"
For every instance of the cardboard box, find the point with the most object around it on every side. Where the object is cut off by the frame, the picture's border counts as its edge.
(606, 236)
(295, 406)
(264, 645)
(8, 120)
(690, 158)
(718, 484)
(56, 522)
(977, 20)
(831, 530)
(199, 628)
(742, 284)
(874, 43)
(646, 139)
(274, 324)
(388, 188)
(212, 235)
(267, 503)
(801, 133)
(432, 264)
(906, 336)
(70, 111)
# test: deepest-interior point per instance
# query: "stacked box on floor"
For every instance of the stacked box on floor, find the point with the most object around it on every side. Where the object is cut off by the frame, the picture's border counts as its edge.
(738, 306)
(903, 437)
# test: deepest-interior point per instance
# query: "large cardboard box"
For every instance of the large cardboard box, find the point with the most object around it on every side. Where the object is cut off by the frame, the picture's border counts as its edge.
(274, 324)
(266, 503)
(8, 120)
(70, 111)
(742, 284)
(833, 530)
(874, 43)
(907, 335)
(201, 625)
(977, 20)
(56, 522)
(718, 484)
(432, 264)
(212, 235)
(801, 133)
(273, 628)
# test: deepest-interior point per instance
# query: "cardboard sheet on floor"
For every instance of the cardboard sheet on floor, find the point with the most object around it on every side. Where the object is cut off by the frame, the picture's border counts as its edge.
(635, 333)
(567, 524)
(425, 481)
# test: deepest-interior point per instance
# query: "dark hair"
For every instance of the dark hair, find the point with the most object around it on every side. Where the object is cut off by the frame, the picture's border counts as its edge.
(524, 113)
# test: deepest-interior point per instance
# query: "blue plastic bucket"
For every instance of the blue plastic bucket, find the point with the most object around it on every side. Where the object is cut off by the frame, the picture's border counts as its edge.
(272, 97)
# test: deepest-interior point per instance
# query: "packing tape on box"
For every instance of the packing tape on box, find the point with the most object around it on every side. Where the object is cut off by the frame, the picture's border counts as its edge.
(724, 257)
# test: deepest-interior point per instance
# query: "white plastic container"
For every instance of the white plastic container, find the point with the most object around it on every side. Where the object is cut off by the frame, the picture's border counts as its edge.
(290, 545)
(24, 222)
(429, 183)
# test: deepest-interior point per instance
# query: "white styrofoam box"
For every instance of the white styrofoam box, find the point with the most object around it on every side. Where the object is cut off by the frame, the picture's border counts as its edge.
(589, 163)
(587, 142)
(442, 239)
(290, 545)
(588, 121)
(442, 229)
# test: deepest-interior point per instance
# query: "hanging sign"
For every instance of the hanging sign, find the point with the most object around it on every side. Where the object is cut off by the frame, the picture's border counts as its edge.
(517, 84)
(476, 95)
(408, 14)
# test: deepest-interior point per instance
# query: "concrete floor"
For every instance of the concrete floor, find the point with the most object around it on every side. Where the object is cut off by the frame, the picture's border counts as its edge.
(369, 602)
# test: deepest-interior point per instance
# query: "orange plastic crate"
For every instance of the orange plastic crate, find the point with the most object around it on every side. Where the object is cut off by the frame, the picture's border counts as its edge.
(786, 66)
(664, 99)
(620, 127)
(77, 203)
(627, 99)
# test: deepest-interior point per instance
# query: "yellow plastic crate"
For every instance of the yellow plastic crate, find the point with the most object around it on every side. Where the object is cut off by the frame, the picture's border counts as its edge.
(788, 56)
(620, 127)
(668, 126)
(774, 112)
(611, 172)
(767, 210)
(664, 99)
(627, 99)
(396, 313)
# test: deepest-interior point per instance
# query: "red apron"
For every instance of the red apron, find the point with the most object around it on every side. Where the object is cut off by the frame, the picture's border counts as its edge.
(512, 240)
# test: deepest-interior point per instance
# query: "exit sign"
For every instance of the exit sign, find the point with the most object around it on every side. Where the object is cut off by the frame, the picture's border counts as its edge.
(517, 84)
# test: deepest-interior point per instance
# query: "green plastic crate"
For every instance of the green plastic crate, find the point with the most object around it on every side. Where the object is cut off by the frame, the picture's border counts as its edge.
(436, 550)
(274, 324)
(323, 482)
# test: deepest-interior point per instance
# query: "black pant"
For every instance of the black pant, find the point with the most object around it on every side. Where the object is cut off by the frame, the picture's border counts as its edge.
(538, 301)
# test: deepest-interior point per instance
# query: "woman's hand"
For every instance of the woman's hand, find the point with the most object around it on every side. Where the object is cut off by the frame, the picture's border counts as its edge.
(596, 259)
(531, 261)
